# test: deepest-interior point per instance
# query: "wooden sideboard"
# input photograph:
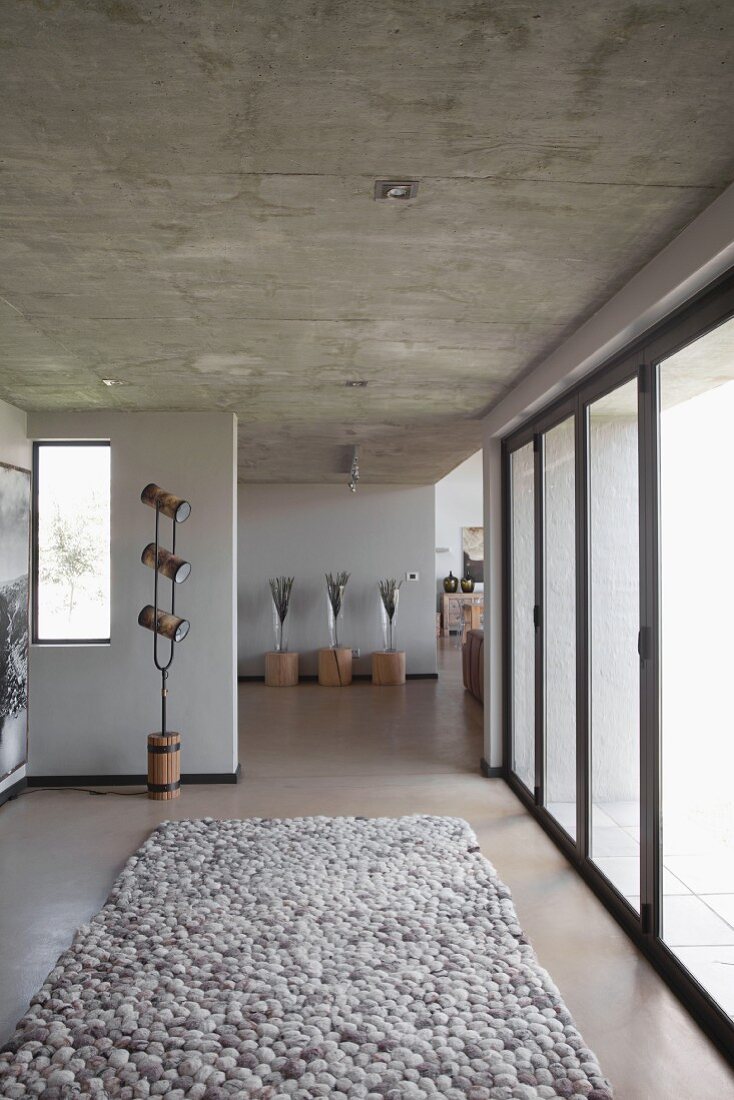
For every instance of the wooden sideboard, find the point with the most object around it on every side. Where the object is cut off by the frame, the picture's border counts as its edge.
(451, 605)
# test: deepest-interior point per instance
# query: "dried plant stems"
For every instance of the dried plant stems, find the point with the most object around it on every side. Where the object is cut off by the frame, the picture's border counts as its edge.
(335, 586)
(389, 589)
(280, 588)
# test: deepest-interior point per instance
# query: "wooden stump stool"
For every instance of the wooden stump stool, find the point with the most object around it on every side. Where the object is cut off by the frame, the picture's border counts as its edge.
(164, 766)
(388, 669)
(281, 669)
(335, 667)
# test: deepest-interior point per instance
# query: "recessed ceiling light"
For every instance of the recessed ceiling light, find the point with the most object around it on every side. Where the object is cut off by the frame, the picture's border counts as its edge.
(356, 384)
(396, 190)
(112, 382)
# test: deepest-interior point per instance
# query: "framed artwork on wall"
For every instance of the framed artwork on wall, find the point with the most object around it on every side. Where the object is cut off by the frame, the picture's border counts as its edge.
(15, 528)
(472, 545)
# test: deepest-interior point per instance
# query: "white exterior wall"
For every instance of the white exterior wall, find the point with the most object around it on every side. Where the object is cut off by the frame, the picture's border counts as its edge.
(305, 531)
(615, 611)
(560, 613)
(614, 614)
(93, 706)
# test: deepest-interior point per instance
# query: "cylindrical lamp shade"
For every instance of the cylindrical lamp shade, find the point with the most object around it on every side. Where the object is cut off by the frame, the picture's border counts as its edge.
(168, 626)
(169, 565)
(170, 505)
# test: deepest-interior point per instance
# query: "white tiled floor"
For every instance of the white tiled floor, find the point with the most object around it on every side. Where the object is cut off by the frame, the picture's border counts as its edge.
(698, 887)
(626, 814)
(624, 873)
(613, 841)
(689, 922)
(723, 904)
(565, 815)
(712, 873)
(713, 967)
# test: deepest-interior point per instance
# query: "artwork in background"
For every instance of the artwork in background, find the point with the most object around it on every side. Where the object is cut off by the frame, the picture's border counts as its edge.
(472, 544)
(15, 514)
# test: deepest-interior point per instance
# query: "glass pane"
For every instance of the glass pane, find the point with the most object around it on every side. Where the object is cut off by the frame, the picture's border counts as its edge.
(73, 597)
(523, 601)
(697, 535)
(560, 624)
(614, 578)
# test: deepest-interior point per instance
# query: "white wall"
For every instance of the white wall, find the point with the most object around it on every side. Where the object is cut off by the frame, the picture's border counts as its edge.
(307, 530)
(459, 503)
(93, 706)
(16, 451)
(700, 254)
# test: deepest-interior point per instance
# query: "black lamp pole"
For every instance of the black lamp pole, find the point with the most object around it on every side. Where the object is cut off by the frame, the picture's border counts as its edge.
(163, 668)
(165, 562)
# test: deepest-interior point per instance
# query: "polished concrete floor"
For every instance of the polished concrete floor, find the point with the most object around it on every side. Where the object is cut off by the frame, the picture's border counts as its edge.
(372, 751)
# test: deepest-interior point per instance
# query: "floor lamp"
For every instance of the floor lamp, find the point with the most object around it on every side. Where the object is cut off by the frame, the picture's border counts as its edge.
(164, 748)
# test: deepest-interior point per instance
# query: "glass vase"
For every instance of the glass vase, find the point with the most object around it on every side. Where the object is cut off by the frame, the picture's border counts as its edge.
(390, 622)
(280, 628)
(336, 622)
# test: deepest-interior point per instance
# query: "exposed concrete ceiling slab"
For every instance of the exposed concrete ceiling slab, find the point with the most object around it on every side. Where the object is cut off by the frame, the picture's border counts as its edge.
(187, 202)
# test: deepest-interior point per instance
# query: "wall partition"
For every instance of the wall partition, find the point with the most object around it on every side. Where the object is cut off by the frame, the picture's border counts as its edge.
(619, 529)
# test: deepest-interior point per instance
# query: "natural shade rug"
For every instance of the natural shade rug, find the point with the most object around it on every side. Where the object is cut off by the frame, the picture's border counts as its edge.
(350, 958)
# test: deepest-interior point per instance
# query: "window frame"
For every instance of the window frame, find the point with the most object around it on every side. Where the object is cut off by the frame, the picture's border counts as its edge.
(640, 359)
(35, 639)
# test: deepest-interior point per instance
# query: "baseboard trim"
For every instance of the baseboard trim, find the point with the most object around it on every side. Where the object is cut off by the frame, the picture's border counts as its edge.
(489, 772)
(126, 780)
(13, 790)
(312, 679)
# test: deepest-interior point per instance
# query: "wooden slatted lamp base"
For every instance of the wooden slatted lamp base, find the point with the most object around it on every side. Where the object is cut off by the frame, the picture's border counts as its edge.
(335, 667)
(164, 766)
(281, 669)
(388, 669)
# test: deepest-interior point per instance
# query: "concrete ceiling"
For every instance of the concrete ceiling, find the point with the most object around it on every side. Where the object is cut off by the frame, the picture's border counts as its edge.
(187, 205)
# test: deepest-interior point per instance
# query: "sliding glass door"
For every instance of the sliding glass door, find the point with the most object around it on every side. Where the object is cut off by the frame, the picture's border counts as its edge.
(619, 542)
(696, 388)
(559, 621)
(522, 503)
(614, 615)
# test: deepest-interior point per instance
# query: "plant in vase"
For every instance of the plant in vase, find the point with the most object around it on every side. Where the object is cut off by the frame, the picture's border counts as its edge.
(280, 590)
(335, 586)
(389, 594)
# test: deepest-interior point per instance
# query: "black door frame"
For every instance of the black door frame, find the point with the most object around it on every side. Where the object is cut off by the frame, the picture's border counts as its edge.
(639, 361)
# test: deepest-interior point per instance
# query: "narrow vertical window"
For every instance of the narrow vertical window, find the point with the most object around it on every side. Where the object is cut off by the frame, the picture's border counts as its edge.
(71, 543)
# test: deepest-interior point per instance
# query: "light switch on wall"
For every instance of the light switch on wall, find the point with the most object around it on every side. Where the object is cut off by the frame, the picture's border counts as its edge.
(411, 575)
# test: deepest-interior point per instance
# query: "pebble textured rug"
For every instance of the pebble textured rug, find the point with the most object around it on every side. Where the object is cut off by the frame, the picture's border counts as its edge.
(338, 957)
